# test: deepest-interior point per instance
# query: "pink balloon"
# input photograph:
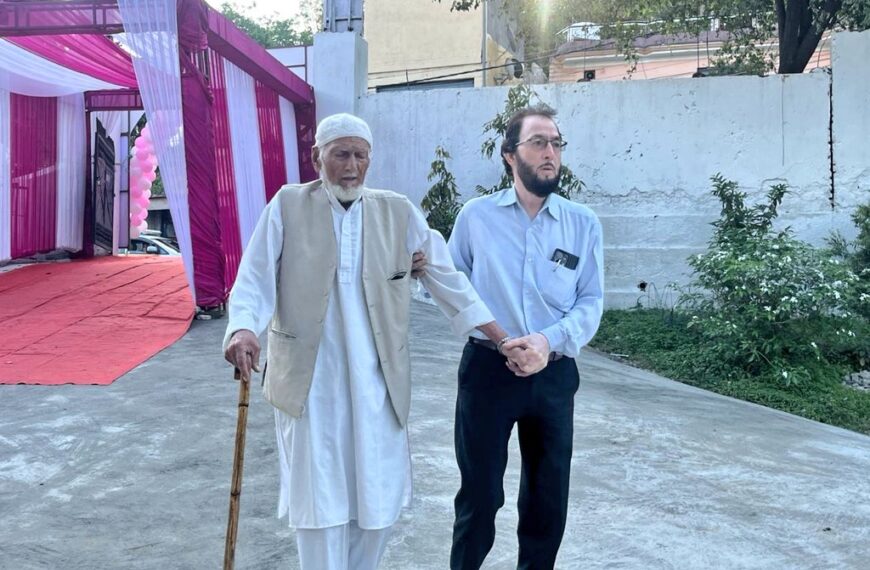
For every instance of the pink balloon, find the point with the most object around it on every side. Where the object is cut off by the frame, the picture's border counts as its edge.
(140, 184)
(134, 230)
(143, 226)
(140, 142)
(150, 163)
(145, 146)
(143, 155)
(146, 194)
(135, 169)
(135, 193)
(136, 219)
(135, 208)
(150, 176)
(146, 131)
(144, 202)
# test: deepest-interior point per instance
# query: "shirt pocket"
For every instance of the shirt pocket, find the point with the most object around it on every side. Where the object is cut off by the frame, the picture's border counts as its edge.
(559, 286)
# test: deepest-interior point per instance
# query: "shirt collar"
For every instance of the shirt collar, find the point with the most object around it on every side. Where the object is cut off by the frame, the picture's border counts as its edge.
(552, 203)
(508, 197)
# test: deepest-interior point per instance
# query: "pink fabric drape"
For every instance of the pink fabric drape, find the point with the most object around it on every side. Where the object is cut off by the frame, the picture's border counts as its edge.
(306, 124)
(271, 140)
(114, 100)
(89, 54)
(202, 198)
(33, 153)
(226, 184)
(242, 51)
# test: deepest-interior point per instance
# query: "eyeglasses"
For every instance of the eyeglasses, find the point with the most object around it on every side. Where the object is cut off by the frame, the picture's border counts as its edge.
(540, 143)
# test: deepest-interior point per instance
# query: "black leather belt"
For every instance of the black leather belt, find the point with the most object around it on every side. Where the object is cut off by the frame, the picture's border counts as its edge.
(491, 345)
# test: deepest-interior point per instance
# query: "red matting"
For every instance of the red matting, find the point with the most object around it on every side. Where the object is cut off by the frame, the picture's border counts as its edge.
(89, 321)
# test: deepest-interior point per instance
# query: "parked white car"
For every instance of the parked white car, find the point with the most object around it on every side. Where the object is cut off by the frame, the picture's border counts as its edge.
(153, 245)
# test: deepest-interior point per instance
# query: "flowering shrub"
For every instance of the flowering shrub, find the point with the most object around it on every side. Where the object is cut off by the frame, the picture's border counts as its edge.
(771, 305)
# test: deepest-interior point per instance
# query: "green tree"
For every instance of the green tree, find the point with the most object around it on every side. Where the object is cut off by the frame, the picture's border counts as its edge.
(441, 202)
(798, 25)
(272, 31)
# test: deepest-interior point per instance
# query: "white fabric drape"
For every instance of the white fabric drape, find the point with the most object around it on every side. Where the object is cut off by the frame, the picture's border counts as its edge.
(247, 155)
(291, 145)
(5, 179)
(28, 74)
(71, 164)
(151, 28)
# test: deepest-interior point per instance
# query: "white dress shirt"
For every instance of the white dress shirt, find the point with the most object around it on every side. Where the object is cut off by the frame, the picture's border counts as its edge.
(508, 258)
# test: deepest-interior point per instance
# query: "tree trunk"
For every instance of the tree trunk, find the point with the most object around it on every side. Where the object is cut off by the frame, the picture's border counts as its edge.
(800, 31)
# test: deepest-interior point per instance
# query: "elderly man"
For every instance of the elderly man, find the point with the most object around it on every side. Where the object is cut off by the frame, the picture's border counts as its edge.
(536, 260)
(327, 269)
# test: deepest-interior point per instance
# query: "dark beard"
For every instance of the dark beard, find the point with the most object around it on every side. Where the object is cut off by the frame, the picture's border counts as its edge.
(535, 184)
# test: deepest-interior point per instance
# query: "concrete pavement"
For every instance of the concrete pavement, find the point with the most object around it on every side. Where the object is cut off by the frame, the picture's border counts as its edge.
(136, 475)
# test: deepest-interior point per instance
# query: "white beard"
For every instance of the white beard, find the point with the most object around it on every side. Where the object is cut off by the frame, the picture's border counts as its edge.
(341, 194)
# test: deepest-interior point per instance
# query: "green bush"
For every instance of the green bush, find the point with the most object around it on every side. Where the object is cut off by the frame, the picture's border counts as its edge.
(860, 260)
(857, 254)
(771, 305)
(441, 202)
(660, 340)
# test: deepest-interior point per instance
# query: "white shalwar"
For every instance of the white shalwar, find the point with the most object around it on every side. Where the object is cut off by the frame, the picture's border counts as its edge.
(346, 458)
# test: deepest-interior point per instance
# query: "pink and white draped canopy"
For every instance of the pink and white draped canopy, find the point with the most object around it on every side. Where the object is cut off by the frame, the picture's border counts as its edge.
(203, 84)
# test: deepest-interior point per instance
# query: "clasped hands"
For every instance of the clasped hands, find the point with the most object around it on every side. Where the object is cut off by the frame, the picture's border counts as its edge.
(527, 355)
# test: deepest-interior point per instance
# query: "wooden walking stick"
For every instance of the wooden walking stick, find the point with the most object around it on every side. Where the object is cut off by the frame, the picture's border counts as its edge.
(238, 464)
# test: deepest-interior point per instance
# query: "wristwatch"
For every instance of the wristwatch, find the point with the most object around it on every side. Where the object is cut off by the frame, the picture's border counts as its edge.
(500, 344)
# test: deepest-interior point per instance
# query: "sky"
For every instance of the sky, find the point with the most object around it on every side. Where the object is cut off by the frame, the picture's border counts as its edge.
(284, 8)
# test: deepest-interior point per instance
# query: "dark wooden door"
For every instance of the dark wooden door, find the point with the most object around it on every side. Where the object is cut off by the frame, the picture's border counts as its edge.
(103, 188)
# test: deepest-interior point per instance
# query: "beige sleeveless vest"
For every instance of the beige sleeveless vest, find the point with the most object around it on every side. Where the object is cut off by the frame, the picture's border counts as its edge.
(306, 274)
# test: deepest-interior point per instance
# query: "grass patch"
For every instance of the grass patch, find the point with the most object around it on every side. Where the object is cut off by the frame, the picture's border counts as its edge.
(658, 340)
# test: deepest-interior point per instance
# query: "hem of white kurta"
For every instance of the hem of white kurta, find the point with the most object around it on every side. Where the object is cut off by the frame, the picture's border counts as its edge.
(405, 505)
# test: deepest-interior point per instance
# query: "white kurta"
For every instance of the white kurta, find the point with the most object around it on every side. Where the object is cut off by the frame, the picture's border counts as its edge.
(347, 458)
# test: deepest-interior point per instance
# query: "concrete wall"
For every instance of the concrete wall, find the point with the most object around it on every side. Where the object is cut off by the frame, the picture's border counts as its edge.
(646, 150)
(420, 39)
(851, 119)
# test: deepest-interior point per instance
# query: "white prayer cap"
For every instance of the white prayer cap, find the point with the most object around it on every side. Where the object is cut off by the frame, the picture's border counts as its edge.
(341, 125)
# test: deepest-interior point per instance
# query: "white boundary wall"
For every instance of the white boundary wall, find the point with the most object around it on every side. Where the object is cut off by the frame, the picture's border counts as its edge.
(647, 149)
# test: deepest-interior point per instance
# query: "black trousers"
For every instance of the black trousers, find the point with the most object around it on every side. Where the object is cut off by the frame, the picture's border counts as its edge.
(490, 401)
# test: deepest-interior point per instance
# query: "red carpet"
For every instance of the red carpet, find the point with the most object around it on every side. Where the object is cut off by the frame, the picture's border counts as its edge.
(89, 321)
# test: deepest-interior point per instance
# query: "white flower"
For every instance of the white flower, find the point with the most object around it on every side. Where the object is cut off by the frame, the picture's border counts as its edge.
(814, 345)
